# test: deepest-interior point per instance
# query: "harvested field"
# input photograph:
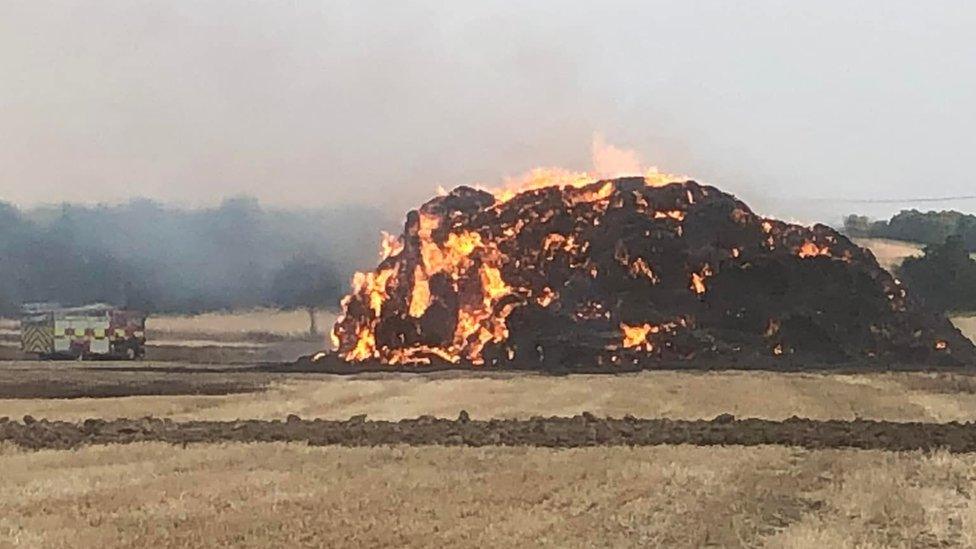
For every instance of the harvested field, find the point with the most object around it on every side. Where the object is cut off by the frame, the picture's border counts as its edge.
(966, 324)
(897, 396)
(554, 432)
(255, 324)
(890, 253)
(260, 495)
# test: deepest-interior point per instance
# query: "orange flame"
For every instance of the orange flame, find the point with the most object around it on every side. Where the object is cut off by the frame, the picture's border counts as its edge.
(420, 295)
(635, 337)
(698, 280)
(810, 249)
(609, 162)
(639, 268)
(390, 245)
(472, 262)
(673, 214)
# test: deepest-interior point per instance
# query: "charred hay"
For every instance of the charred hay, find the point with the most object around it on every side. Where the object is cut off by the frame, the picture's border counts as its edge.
(620, 274)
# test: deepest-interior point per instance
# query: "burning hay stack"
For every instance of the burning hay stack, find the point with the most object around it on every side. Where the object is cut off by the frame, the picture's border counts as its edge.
(624, 273)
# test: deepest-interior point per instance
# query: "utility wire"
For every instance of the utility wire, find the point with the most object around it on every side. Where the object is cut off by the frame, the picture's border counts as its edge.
(897, 200)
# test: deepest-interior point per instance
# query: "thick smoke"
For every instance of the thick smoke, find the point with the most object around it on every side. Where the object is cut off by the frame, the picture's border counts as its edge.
(146, 255)
(380, 102)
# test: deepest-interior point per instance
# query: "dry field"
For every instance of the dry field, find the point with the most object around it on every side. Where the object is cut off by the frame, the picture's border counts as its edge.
(240, 323)
(240, 337)
(259, 495)
(967, 324)
(277, 494)
(154, 495)
(678, 395)
(890, 253)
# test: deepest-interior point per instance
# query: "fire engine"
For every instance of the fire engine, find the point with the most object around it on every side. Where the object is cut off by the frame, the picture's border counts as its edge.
(92, 331)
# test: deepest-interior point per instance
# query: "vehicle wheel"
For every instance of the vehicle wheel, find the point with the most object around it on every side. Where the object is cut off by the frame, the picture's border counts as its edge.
(130, 353)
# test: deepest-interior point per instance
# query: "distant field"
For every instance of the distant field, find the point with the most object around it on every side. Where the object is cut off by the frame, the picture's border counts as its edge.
(890, 253)
(261, 321)
(966, 324)
(260, 495)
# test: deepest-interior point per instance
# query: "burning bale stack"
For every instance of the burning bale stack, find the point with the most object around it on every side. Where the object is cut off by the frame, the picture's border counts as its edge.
(627, 273)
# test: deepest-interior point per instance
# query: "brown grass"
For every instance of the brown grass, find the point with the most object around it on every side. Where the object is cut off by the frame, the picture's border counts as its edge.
(151, 495)
(680, 395)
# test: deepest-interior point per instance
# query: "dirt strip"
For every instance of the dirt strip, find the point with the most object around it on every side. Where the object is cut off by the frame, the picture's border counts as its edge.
(557, 432)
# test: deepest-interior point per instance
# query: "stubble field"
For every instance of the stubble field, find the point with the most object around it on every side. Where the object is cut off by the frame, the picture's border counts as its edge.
(276, 493)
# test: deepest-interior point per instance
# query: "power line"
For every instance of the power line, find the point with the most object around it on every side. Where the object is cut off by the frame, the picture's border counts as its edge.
(960, 198)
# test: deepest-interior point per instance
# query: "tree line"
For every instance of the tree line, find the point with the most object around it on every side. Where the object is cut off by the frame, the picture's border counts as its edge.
(915, 226)
(945, 275)
(146, 255)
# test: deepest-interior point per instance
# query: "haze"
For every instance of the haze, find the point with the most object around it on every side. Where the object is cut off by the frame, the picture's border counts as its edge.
(792, 107)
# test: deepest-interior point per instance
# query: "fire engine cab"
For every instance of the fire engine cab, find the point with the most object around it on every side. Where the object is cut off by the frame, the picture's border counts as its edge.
(92, 331)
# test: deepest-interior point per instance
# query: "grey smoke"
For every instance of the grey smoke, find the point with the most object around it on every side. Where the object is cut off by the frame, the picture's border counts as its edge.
(377, 103)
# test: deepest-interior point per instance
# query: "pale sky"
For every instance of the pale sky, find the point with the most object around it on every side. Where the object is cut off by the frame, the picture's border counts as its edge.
(324, 103)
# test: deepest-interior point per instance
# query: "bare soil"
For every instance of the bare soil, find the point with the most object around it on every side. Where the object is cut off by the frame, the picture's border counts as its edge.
(69, 380)
(554, 432)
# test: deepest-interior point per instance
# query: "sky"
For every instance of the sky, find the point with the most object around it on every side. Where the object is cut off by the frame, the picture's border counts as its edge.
(799, 108)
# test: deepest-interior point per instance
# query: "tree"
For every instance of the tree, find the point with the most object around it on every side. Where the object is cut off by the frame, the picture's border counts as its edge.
(916, 226)
(857, 226)
(945, 276)
(307, 282)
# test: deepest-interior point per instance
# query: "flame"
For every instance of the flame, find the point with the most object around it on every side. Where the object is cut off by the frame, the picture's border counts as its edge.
(547, 297)
(463, 256)
(365, 345)
(810, 249)
(602, 193)
(420, 294)
(390, 245)
(495, 288)
(472, 264)
(673, 214)
(540, 178)
(374, 285)
(640, 268)
(635, 337)
(609, 162)
(698, 280)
